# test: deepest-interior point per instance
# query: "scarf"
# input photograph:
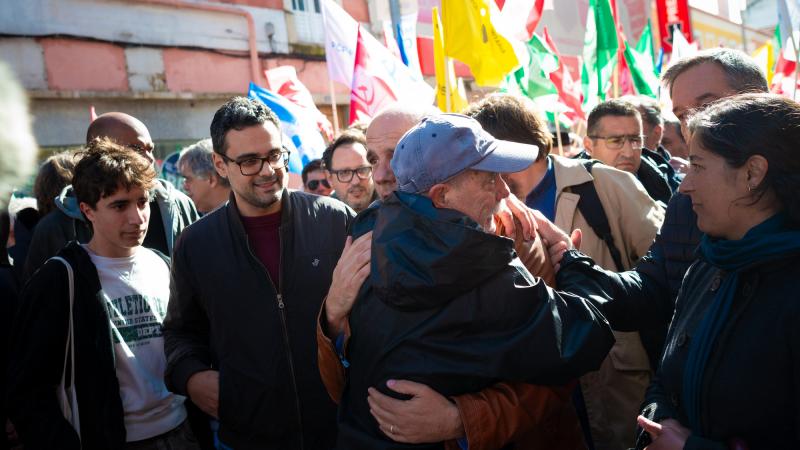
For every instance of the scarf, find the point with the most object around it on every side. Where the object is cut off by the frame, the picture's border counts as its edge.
(765, 241)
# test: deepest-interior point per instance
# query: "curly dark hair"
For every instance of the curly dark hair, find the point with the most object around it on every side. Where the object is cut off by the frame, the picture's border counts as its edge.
(105, 166)
(238, 113)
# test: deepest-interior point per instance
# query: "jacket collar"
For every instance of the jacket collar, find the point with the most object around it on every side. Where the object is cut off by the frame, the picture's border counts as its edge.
(569, 172)
(235, 217)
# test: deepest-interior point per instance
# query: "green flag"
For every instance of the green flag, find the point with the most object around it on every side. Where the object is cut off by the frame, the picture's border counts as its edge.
(533, 79)
(641, 64)
(600, 47)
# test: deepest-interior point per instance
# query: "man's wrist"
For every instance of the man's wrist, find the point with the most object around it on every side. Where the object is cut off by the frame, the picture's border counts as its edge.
(456, 428)
(334, 324)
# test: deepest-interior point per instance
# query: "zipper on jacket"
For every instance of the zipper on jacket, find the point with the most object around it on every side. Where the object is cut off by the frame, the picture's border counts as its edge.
(284, 326)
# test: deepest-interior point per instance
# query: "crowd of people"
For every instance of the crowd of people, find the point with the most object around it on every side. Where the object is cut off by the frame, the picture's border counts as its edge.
(442, 281)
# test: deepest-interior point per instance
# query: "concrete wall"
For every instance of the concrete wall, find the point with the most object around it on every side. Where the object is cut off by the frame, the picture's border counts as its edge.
(63, 122)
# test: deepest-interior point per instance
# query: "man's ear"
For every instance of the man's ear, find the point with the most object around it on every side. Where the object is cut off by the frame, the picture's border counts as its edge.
(659, 131)
(87, 211)
(587, 144)
(438, 195)
(219, 165)
(212, 180)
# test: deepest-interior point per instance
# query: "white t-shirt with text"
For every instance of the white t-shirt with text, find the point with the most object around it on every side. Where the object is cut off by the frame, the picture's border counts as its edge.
(136, 291)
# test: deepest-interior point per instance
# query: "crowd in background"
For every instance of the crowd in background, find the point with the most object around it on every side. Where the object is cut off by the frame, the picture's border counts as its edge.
(478, 280)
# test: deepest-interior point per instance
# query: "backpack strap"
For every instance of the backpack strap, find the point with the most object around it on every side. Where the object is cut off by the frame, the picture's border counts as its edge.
(592, 210)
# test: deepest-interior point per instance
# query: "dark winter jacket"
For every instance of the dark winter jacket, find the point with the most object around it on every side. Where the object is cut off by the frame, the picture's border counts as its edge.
(225, 314)
(37, 359)
(66, 223)
(652, 286)
(751, 385)
(660, 157)
(451, 306)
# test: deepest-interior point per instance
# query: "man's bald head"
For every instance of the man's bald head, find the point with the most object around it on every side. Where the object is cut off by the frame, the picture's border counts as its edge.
(123, 129)
(383, 134)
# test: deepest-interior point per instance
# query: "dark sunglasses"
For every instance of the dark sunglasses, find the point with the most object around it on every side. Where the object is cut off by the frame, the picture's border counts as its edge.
(314, 184)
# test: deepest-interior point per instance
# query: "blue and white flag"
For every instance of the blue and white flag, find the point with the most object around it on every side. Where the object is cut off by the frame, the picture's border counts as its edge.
(300, 127)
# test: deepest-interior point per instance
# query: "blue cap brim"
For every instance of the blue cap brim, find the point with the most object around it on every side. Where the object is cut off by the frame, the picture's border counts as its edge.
(508, 157)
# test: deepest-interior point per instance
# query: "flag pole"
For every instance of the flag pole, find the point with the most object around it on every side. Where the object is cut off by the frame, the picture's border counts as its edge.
(796, 67)
(558, 134)
(333, 109)
(447, 83)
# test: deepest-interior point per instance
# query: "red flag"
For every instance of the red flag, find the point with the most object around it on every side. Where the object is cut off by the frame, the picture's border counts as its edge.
(371, 89)
(784, 77)
(534, 16)
(283, 80)
(569, 92)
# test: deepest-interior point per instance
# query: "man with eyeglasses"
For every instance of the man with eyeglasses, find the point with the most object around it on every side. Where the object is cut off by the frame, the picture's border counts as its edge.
(614, 137)
(171, 210)
(349, 170)
(315, 180)
(247, 284)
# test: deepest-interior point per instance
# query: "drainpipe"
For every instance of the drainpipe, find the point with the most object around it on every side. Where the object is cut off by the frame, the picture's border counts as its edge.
(255, 65)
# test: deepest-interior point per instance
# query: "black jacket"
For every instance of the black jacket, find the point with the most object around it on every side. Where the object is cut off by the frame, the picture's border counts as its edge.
(37, 358)
(225, 313)
(751, 386)
(645, 296)
(451, 306)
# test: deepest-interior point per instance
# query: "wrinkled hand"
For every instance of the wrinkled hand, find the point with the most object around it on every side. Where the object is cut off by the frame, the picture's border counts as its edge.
(203, 390)
(667, 435)
(513, 208)
(556, 240)
(348, 276)
(425, 418)
(533, 254)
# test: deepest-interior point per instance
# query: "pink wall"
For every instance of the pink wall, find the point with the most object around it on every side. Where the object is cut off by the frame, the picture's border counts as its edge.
(274, 4)
(357, 8)
(83, 65)
(200, 71)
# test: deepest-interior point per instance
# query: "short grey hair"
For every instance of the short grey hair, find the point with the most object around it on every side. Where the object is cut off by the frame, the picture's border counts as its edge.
(18, 147)
(648, 107)
(200, 161)
(741, 72)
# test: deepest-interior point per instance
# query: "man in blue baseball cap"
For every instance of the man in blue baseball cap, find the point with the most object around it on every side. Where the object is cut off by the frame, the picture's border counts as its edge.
(448, 303)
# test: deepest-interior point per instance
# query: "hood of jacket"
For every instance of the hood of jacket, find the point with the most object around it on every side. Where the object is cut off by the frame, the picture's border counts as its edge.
(68, 204)
(423, 256)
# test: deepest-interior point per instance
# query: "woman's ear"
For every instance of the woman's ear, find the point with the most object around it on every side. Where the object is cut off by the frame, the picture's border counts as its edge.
(438, 195)
(757, 168)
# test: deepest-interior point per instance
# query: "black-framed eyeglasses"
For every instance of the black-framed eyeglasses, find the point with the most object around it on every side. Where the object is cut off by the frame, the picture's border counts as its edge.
(345, 175)
(314, 184)
(617, 142)
(252, 165)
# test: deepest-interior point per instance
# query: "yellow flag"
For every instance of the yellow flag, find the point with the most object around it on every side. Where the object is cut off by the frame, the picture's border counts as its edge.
(765, 58)
(470, 37)
(445, 73)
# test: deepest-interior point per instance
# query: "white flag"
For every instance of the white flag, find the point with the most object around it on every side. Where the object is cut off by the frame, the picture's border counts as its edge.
(341, 38)
(681, 48)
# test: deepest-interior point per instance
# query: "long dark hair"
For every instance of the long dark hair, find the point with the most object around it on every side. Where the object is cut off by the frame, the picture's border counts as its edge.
(738, 127)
